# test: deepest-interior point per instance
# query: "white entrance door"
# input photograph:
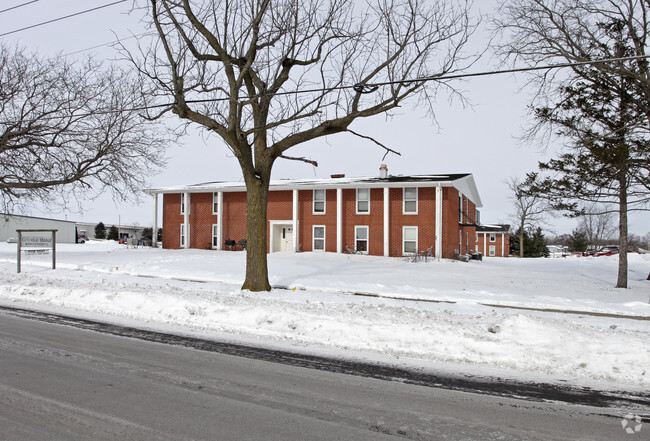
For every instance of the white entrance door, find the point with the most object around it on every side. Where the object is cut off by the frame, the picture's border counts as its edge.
(286, 238)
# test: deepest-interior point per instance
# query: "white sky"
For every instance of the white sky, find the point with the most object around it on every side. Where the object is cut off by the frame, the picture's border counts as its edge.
(480, 140)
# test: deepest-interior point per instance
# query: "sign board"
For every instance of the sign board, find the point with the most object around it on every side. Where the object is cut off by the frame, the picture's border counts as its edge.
(36, 241)
(40, 244)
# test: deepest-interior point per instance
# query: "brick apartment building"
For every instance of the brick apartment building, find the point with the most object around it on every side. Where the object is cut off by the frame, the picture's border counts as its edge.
(382, 216)
(493, 240)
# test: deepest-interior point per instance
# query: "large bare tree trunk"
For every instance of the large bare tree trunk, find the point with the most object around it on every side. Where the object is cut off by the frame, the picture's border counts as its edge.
(622, 235)
(257, 192)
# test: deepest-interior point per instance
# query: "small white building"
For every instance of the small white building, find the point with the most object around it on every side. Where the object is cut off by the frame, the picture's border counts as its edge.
(558, 250)
(125, 231)
(9, 223)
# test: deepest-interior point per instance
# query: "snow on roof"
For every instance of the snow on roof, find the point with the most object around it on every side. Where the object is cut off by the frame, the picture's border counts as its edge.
(492, 227)
(464, 182)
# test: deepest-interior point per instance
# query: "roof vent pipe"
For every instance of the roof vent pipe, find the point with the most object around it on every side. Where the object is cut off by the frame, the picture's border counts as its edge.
(383, 171)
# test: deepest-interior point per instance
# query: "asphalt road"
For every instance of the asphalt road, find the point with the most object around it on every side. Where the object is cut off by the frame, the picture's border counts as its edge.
(59, 382)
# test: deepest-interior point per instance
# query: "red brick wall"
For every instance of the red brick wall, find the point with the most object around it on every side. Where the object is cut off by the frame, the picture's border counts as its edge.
(484, 246)
(172, 219)
(308, 219)
(280, 208)
(234, 216)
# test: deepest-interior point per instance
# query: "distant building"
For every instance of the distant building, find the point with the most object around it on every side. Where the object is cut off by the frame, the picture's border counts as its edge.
(383, 216)
(9, 223)
(493, 240)
(125, 231)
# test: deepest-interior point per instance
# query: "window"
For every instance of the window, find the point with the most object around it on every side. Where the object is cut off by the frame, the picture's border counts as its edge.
(363, 201)
(476, 238)
(182, 235)
(411, 200)
(409, 240)
(460, 209)
(492, 250)
(361, 239)
(319, 238)
(215, 203)
(319, 201)
(182, 203)
(493, 237)
(215, 235)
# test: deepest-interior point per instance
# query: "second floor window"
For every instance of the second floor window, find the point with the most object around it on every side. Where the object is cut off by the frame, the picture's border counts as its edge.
(215, 203)
(411, 200)
(363, 200)
(319, 201)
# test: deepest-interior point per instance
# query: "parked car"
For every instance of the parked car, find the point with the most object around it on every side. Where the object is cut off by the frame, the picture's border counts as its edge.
(611, 250)
(608, 250)
(81, 238)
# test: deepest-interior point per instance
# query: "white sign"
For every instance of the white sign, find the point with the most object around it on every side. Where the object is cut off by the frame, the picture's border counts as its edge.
(37, 241)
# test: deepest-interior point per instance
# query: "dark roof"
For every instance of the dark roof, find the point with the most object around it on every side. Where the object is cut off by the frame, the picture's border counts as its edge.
(492, 228)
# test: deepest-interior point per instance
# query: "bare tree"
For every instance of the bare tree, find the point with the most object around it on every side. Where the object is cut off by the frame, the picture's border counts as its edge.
(529, 208)
(266, 76)
(598, 223)
(71, 129)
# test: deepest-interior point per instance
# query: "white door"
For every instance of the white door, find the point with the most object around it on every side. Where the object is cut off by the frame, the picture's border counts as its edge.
(286, 239)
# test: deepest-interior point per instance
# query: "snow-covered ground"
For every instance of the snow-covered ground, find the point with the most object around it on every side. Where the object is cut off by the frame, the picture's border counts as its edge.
(436, 316)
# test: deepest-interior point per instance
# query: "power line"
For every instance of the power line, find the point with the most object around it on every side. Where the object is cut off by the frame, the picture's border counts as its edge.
(106, 44)
(62, 18)
(369, 87)
(19, 6)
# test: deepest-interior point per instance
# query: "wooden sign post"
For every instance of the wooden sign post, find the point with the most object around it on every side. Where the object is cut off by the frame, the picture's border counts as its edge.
(36, 244)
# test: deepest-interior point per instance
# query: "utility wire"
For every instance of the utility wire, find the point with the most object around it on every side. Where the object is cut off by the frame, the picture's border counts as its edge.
(62, 18)
(358, 86)
(19, 6)
(371, 87)
(515, 70)
(105, 44)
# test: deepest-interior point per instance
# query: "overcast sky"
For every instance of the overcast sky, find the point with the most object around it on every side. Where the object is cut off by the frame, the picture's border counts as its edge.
(481, 139)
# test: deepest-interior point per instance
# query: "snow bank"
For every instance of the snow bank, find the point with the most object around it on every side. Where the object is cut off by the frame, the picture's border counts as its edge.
(319, 310)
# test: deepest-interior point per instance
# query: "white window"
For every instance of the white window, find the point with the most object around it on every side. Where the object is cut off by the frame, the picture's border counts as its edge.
(493, 250)
(363, 201)
(361, 238)
(319, 201)
(182, 203)
(215, 203)
(410, 200)
(409, 240)
(182, 235)
(476, 238)
(493, 237)
(215, 235)
(319, 238)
